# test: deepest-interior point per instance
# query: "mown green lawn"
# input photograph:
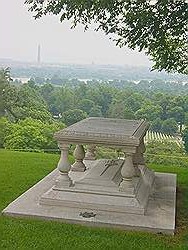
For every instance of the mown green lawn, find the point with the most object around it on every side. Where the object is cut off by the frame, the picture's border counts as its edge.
(19, 171)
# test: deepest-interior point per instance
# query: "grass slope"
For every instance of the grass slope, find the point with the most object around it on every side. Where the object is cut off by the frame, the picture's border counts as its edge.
(19, 171)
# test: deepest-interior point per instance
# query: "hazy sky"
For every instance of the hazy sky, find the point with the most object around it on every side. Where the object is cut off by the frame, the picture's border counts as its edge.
(21, 34)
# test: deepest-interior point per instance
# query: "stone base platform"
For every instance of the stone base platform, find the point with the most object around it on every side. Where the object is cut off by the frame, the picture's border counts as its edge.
(159, 216)
(98, 189)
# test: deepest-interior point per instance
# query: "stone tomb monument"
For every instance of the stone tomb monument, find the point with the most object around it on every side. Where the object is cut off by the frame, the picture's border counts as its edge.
(121, 193)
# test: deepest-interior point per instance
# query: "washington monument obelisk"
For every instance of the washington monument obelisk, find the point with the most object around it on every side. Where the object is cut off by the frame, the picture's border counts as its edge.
(38, 55)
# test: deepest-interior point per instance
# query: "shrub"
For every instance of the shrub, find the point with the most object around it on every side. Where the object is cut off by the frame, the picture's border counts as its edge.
(166, 153)
(185, 139)
(30, 134)
(164, 147)
(167, 160)
(3, 127)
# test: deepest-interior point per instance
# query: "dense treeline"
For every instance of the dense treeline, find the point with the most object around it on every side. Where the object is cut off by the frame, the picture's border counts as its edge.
(173, 86)
(49, 107)
(165, 111)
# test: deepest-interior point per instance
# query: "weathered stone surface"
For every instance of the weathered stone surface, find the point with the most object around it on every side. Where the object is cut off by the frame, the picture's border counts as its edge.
(159, 216)
(118, 193)
(99, 189)
(79, 155)
(105, 131)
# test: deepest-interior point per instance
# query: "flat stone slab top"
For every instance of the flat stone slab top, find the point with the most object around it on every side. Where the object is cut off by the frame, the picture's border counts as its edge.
(106, 131)
(159, 216)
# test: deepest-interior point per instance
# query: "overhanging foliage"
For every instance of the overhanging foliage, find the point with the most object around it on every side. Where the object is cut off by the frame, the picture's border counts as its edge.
(156, 27)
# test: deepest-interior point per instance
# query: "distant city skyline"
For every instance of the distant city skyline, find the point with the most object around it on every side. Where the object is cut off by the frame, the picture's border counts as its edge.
(60, 44)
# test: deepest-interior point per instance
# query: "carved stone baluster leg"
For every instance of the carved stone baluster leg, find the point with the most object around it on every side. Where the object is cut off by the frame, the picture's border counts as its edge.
(63, 166)
(148, 174)
(90, 153)
(79, 155)
(127, 173)
(137, 158)
(142, 150)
